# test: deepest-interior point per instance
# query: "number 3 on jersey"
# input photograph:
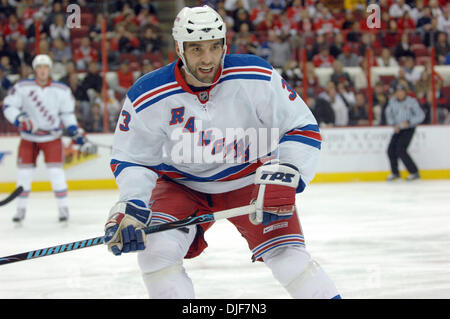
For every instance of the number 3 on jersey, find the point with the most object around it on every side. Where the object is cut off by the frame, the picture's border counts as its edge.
(286, 86)
(125, 121)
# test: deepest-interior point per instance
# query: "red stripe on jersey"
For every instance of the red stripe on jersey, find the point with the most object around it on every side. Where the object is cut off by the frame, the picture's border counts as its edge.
(310, 134)
(246, 70)
(154, 93)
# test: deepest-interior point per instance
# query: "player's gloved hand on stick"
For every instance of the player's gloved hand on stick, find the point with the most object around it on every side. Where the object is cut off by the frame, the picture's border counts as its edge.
(274, 193)
(77, 134)
(124, 229)
(25, 124)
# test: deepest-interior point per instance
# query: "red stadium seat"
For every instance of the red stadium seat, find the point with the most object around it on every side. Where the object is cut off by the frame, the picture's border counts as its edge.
(419, 49)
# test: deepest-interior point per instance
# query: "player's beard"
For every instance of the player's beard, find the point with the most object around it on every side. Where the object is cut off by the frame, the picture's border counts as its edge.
(198, 72)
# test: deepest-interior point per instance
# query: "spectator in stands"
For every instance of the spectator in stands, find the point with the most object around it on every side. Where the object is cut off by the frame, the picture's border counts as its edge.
(6, 9)
(398, 8)
(424, 22)
(400, 80)
(61, 52)
(368, 41)
(82, 105)
(326, 23)
(417, 11)
(412, 74)
(423, 85)
(92, 82)
(145, 4)
(5, 83)
(337, 103)
(392, 34)
(380, 100)
(403, 48)
(349, 20)
(57, 9)
(25, 72)
(242, 16)
(5, 63)
(147, 67)
(124, 41)
(245, 42)
(20, 55)
(85, 54)
(323, 58)
(233, 5)
(125, 79)
(348, 58)
(386, 59)
(346, 93)
(13, 29)
(28, 12)
(318, 43)
(280, 50)
(444, 21)
(150, 41)
(45, 10)
(430, 34)
(276, 6)
(358, 114)
(337, 45)
(321, 109)
(70, 69)
(436, 10)
(339, 75)
(95, 31)
(59, 29)
(406, 22)
(354, 34)
(311, 76)
(442, 47)
(3, 46)
(94, 123)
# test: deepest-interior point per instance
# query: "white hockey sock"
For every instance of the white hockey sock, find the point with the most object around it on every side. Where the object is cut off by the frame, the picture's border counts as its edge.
(302, 277)
(24, 178)
(59, 185)
(161, 264)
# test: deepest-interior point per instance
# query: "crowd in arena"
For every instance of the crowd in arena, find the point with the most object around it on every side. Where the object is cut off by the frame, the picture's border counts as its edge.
(277, 30)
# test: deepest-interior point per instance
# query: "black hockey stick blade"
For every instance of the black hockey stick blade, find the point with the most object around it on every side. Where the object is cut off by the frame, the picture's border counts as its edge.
(12, 196)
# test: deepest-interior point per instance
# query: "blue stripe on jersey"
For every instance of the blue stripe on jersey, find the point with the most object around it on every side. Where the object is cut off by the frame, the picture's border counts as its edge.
(121, 165)
(234, 60)
(189, 177)
(245, 76)
(151, 81)
(304, 139)
(158, 98)
(301, 139)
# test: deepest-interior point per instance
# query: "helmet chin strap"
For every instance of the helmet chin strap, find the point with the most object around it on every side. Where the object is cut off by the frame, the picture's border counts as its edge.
(186, 69)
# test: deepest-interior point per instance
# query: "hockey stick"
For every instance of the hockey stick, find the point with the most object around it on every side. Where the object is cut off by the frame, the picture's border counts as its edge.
(191, 220)
(99, 144)
(12, 196)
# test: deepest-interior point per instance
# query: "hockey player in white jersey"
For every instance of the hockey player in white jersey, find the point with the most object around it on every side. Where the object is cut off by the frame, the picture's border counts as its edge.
(41, 108)
(173, 157)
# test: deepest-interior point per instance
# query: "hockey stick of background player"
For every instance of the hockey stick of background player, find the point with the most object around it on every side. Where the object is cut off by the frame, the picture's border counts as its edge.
(191, 220)
(99, 144)
(12, 196)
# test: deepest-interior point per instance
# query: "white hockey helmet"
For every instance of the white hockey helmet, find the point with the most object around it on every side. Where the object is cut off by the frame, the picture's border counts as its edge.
(198, 24)
(42, 59)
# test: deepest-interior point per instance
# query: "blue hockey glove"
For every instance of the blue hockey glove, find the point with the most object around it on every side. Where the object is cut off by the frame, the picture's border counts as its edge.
(274, 193)
(77, 134)
(124, 229)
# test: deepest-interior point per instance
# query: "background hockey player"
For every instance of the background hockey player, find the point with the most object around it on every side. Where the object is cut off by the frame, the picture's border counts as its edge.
(41, 108)
(202, 94)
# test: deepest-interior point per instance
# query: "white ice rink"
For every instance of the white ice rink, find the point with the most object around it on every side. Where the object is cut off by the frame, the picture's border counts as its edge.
(375, 240)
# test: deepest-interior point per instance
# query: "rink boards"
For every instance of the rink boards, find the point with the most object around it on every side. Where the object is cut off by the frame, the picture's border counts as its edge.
(348, 154)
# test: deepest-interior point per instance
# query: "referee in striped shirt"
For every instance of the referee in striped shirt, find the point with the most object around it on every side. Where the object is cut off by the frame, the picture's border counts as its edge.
(404, 113)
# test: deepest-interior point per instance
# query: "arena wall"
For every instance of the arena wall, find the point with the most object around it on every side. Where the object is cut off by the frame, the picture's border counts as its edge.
(348, 155)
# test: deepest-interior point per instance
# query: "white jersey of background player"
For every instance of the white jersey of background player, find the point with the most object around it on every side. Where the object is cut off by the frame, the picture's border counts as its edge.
(172, 154)
(41, 108)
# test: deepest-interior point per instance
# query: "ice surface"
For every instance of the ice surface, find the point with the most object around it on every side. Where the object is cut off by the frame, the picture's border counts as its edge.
(375, 240)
